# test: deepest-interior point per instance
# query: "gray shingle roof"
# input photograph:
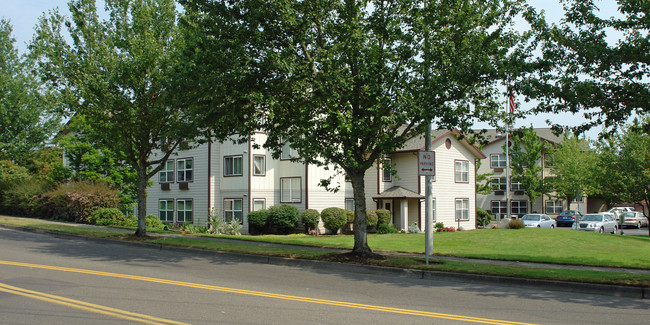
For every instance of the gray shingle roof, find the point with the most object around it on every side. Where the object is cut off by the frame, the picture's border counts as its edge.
(398, 192)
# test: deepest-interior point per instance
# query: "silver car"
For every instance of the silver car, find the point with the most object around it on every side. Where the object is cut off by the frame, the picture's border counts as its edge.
(598, 222)
(633, 219)
(538, 220)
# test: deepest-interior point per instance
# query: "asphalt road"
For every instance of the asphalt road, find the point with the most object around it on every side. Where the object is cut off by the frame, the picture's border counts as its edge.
(47, 280)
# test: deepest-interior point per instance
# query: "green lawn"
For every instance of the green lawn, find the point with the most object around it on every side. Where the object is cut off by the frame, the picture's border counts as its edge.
(560, 246)
(540, 245)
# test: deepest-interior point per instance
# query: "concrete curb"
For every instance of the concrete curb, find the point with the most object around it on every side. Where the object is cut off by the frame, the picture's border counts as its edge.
(562, 286)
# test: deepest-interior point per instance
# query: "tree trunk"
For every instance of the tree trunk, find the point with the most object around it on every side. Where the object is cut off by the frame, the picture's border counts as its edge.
(360, 227)
(142, 203)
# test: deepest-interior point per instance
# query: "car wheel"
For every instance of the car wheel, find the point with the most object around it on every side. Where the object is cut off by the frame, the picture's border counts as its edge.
(615, 230)
(638, 225)
(552, 226)
(601, 230)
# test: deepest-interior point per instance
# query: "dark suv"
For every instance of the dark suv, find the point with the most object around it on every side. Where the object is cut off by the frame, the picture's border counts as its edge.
(567, 218)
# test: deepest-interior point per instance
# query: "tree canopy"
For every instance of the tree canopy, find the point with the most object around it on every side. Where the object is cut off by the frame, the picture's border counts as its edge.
(27, 113)
(584, 71)
(526, 154)
(346, 82)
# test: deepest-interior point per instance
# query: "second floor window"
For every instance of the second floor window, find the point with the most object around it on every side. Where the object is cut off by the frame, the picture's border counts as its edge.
(387, 165)
(498, 161)
(498, 183)
(167, 173)
(184, 168)
(259, 165)
(461, 171)
(516, 186)
(232, 166)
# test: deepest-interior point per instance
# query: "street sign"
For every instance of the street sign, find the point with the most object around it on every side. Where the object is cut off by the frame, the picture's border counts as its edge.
(426, 163)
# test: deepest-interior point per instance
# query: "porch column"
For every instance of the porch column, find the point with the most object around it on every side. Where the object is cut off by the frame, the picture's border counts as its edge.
(404, 214)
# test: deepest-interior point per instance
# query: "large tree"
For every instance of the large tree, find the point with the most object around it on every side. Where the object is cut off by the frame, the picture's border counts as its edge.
(574, 166)
(526, 154)
(27, 113)
(346, 82)
(122, 75)
(584, 70)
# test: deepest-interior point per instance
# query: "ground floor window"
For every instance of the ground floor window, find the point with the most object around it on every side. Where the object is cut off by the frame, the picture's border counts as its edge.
(553, 207)
(232, 210)
(518, 207)
(349, 204)
(462, 209)
(259, 204)
(499, 208)
(184, 211)
(290, 190)
(166, 210)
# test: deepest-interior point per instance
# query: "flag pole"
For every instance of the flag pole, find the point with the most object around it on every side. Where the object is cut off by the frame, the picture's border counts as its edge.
(510, 108)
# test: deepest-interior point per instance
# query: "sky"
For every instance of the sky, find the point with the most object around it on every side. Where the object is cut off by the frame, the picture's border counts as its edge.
(24, 14)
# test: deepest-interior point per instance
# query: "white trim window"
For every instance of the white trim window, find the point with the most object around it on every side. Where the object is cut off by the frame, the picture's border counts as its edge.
(462, 209)
(184, 211)
(519, 207)
(184, 169)
(497, 160)
(516, 186)
(498, 183)
(259, 165)
(387, 167)
(232, 166)
(553, 206)
(287, 151)
(461, 171)
(232, 210)
(166, 174)
(290, 190)
(349, 204)
(499, 208)
(259, 204)
(166, 210)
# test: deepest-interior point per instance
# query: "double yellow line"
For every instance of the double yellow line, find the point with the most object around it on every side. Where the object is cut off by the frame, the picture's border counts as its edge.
(251, 293)
(86, 306)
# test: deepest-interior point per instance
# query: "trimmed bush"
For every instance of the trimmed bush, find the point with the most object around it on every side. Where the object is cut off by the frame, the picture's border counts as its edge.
(151, 221)
(483, 217)
(310, 219)
(383, 216)
(385, 228)
(25, 199)
(75, 201)
(371, 219)
(333, 219)
(283, 218)
(349, 215)
(515, 224)
(106, 217)
(258, 220)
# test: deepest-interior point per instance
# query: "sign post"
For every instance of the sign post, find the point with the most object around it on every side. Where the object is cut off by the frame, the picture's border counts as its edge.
(427, 168)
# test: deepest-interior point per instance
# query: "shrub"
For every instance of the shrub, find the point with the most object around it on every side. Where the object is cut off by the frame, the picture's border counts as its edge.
(385, 228)
(151, 222)
(310, 219)
(333, 219)
(371, 219)
(258, 220)
(414, 229)
(75, 201)
(25, 199)
(439, 225)
(383, 217)
(349, 215)
(283, 218)
(446, 229)
(483, 217)
(515, 224)
(106, 217)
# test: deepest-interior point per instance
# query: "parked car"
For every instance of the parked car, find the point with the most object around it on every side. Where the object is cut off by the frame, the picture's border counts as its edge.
(633, 219)
(568, 217)
(619, 210)
(598, 222)
(538, 220)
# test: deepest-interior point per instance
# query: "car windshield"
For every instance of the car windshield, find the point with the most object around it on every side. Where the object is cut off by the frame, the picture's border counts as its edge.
(592, 217)
(629, 214)
(531, 217)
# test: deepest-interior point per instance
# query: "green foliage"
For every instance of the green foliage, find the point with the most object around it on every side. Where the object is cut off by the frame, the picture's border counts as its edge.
(349, 215)
(439, 225)
(258, 220)
(516, 224)
(283, 218)
(106, 217)
(25, 199)
(75, 201)
(333, 219)
(371, 219)
(153, 222)
(12, 174)
(483, 217)
(385, 228)
(27, 117)
(526, 154)
(383, 216)
(574, 168)
(310, 218)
